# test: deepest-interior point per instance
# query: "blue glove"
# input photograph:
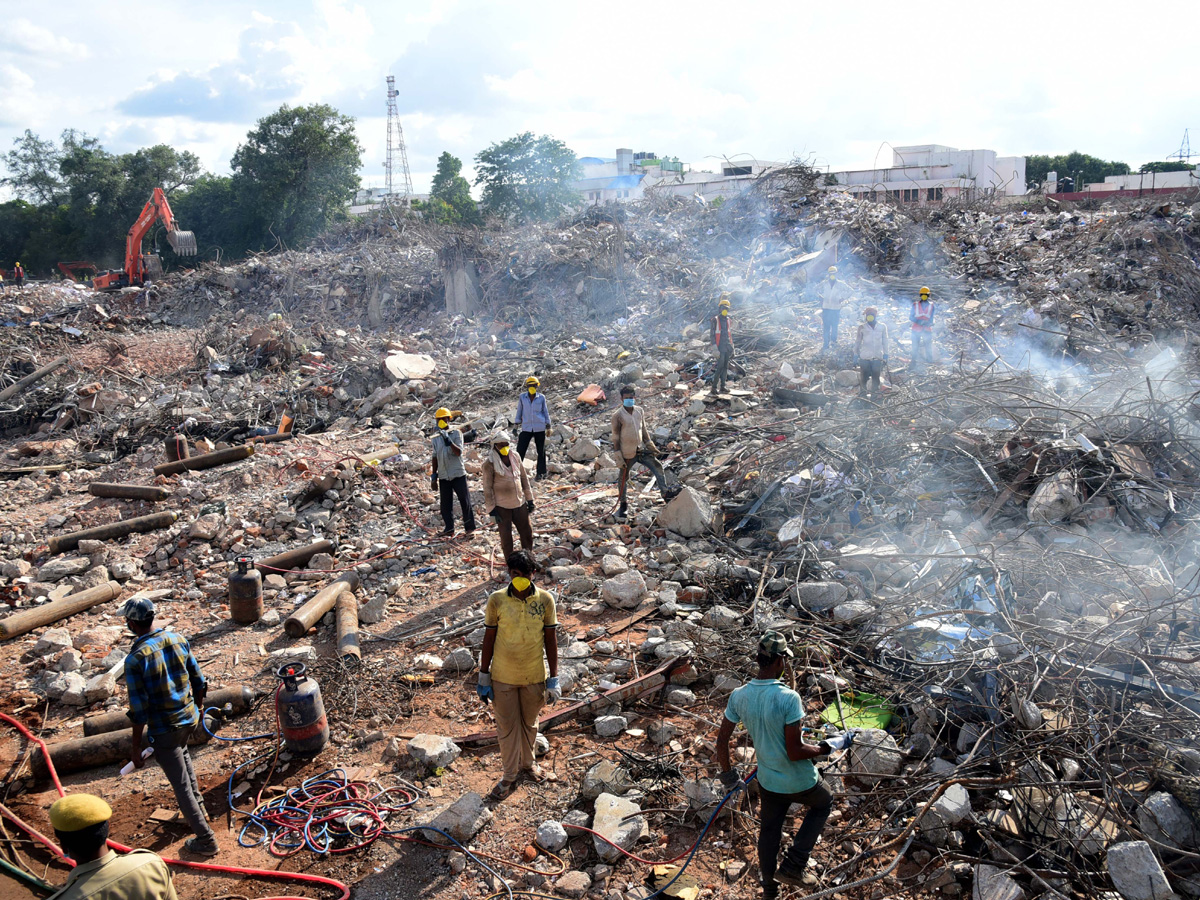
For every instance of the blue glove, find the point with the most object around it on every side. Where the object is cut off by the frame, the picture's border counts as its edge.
(484, 687)
(553, 690)
(837, 742)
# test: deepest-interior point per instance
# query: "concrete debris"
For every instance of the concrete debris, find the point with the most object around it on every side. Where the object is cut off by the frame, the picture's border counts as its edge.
(992, 883)
(624, 591)
(552, 836)
(433, 751)
(573, 884)
(1136, 872)
(462, 819)
(875, 753)
(620, 821)
(1163, 819)
(689, 514)
(610, 726)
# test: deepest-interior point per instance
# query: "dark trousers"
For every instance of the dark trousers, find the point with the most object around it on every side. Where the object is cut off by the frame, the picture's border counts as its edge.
(647, 459)
(505, 519)
(721, 373)
(830, 317)
(448, 488)
(539, 440)
(819, 801)
(869, 370)
(170, 749)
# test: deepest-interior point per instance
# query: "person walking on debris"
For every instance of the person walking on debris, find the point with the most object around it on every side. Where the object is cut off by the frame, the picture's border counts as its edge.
(833, 295)
(922, 327)
(771, 713)
(871, 349)
(518, 670)
(632, 441)
(533, 418)
(722, 340)
(449, 477)
(80, 824)
(166, 699)
(506, 493)
(19, 276)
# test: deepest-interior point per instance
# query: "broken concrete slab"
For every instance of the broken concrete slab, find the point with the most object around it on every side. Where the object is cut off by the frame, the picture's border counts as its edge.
(1137, 873)
(875, 753)
(690, 513)
(462, 819)
(624, 591)
(620, 821)
(992, 883)
(1163, 819)
(433, 751)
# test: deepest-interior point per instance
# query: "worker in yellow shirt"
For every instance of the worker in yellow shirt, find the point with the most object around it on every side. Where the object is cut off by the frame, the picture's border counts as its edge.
(518, 670)
(81, 827)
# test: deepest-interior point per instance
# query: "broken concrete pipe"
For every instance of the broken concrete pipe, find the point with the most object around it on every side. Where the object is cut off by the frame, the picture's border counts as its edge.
(152, 522)
(298, 623)
(239, 698)
(206, 460)
(29, 619)
(293, 559)
(128, 491)
(347, 626)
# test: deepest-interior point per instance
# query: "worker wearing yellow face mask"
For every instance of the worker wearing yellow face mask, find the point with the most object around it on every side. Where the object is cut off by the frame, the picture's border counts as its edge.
(507, 496)
(722, 338)
(871, 348)
(533, 418)
(518, 669)
(449, 477)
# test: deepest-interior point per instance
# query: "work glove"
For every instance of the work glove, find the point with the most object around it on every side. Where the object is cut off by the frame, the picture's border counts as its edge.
(529, 505)
(553, 689)
(484, 687)
(731, 779)
(433, 481)
(836, 742)
(495, 515)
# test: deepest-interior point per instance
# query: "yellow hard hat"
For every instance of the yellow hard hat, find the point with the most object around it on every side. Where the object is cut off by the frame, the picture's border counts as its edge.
(532, 380)
(724, 301)
(832, 270)
(442, 413)
(924, 291)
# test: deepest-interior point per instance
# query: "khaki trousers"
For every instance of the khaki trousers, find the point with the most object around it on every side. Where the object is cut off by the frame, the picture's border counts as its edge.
(517, 707)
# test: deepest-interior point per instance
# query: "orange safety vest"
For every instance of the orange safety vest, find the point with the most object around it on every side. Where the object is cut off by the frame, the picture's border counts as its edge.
(723, 328)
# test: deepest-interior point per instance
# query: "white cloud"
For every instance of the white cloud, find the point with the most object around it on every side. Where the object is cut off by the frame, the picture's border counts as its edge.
(23, 36)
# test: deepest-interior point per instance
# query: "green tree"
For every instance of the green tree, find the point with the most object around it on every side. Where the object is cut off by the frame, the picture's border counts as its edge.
(296, 172)
(527, 178)
(213, 208)
(1166, 165)
(1088, 169)
(453, 193)
(33, 172)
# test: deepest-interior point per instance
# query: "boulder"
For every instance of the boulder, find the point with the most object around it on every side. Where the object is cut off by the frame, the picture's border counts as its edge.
(722, 618)
(853, 611)
(875, 752)
(460, 660)
(605, 777)
(53, 642)
(67, 566)
(1163, 819)
(462, 819)
(992, 883)
(689, 514)
(819, 596)
(101, 687)
(57, 685)
(433, 751)
(624, 591)
(374, 610)
(584, 450)
(610, 726)
(75, 691)
(551, 836)
(97, 637)
(69, 661)
(618, 820)
(1136, 873)
(613, 565)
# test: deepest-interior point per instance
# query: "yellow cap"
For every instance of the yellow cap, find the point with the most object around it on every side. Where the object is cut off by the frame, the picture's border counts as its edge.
(442, 413)
(532, 380)
(76, 812)
(924, 290)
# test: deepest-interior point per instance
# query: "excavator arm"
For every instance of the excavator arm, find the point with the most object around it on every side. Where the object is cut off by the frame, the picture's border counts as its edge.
(157, 209)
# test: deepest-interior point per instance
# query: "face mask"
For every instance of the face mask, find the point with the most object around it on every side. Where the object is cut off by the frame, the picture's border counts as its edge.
(628, 402)
(870, 320)
(833, 278)
(521, 584)
(503, 451)
(724, 312)
(442, 423)
(532, 391)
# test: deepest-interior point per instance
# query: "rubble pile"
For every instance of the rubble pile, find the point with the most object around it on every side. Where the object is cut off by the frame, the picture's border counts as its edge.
(989, 571)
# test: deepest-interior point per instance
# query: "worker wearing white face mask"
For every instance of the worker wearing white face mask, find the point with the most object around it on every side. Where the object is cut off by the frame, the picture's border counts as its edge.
(833, 295)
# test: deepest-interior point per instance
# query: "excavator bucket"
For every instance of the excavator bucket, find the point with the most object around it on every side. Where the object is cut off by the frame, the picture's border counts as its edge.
(182, 242)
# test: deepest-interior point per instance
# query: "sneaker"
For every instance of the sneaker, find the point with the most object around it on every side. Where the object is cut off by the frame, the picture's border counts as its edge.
(797, 876)
(201, 847)
(502, 790)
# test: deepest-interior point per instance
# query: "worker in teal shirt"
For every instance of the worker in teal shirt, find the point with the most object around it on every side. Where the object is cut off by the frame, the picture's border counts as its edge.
(771, 713)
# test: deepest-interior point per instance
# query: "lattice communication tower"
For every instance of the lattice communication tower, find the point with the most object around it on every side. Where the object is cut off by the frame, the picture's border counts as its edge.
(396, 151)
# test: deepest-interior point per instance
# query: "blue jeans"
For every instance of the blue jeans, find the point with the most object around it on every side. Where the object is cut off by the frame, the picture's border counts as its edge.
(830, 317)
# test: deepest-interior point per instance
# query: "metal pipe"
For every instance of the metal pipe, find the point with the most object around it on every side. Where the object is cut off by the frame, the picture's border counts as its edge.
(240, 697)
(152, 522)
(94, 751)
(29, 619)
(128, 491)
(205, 460)
(347, 626)
(293, 559)
(310, 613)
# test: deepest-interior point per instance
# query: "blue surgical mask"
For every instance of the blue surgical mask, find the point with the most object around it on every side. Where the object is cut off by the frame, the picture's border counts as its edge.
(628, 401)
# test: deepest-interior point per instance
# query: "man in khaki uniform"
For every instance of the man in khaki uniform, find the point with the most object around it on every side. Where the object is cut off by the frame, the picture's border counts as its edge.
(81, 826)
(520, 623)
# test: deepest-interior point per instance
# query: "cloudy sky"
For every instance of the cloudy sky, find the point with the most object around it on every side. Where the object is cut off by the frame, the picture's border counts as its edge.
(836, 83)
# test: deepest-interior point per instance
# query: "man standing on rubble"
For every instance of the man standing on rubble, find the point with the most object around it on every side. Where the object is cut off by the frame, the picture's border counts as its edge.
(771, 713)
(871, 349)
(922, 328)
(631, 439)
(166, 700)
(19, 276)
(533, 418)
(722, 340)
(507, 496)
(449, 477)
(518, 670)
(833, 295)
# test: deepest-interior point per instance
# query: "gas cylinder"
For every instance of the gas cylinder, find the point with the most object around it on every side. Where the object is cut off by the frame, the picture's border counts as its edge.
(245, 593)
(301, 712)
(176, 446)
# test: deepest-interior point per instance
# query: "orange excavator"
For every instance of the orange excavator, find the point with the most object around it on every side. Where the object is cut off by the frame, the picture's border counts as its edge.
(142, 267)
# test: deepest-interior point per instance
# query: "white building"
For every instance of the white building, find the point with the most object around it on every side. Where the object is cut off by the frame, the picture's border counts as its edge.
(930, 173)
(629, 175)
(1136, 183)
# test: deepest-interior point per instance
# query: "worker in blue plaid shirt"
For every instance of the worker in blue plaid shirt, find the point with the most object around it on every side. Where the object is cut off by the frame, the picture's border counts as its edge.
(166, 697)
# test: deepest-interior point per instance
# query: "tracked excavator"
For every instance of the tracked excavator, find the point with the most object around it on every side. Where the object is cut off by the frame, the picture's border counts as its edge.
(142, 267)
